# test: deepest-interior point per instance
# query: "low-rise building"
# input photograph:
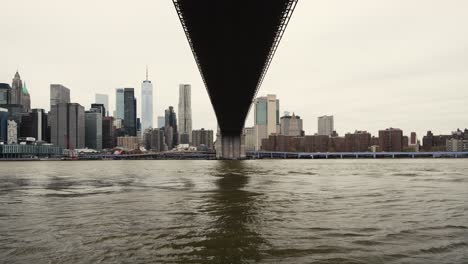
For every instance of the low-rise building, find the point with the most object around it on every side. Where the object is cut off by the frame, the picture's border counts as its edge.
(28, 151)
(456, 145)
(129, 143)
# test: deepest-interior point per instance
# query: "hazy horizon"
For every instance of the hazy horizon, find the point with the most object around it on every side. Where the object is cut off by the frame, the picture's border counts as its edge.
(371, 64)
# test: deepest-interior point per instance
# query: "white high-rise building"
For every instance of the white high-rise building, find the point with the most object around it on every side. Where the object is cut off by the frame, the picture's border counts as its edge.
(325, 125)
(103, 99)
(146, 104)
(266, 118)
(185, 114)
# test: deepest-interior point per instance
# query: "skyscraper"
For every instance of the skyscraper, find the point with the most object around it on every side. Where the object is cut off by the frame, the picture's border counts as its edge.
(325, 125)
(119, 104)
(185, 114)
(170, 128)
(67, 122)
(59, 94)
(19, 93)
(130, 115)
(93, 129)
(108, 132)
(146, 103)
(103, 99)
(266, 118)
(16, 87)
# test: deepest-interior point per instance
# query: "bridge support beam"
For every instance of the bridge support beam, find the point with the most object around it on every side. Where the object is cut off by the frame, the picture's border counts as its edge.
(230, 147)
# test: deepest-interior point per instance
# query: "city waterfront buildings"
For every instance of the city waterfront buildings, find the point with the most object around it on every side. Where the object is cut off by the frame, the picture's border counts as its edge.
(146, 104)
(326, 125)
(185, 114)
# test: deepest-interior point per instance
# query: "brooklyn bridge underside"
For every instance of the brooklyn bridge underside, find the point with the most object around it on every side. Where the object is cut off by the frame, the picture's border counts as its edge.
(233, 42)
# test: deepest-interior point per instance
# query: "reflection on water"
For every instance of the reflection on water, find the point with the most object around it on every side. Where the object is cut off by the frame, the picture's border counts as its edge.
(231, 238)
(234, 212)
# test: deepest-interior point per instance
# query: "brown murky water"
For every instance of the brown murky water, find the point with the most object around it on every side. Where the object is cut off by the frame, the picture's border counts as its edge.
(286, 211)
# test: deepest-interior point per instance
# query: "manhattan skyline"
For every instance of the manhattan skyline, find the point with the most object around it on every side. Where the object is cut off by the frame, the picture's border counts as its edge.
(393, 64)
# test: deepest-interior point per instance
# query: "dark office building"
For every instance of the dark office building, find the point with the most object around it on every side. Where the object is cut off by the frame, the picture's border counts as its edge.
(108, 141)
(93, 129)
(34, 124)
(391, 140)
(170, 128)
(130, 112)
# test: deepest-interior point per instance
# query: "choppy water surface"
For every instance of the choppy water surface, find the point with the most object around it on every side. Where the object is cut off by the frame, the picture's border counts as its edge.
(288, 211)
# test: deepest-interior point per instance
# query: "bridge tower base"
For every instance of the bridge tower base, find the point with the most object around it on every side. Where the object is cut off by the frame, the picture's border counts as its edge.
(230, 147)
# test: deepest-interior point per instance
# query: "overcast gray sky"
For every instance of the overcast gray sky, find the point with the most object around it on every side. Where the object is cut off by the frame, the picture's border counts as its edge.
(371, 63)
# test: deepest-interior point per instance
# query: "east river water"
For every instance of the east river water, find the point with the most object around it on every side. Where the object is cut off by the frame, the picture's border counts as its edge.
(270, 211)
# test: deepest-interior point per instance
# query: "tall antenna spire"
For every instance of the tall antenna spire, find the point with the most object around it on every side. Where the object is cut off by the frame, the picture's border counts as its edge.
(147, 72)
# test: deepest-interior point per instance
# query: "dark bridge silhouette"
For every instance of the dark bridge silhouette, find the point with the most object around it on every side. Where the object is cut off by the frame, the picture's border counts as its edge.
(233, 42)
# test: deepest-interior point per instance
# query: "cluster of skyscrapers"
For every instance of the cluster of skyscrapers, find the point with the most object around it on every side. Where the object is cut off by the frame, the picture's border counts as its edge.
(67, 125)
